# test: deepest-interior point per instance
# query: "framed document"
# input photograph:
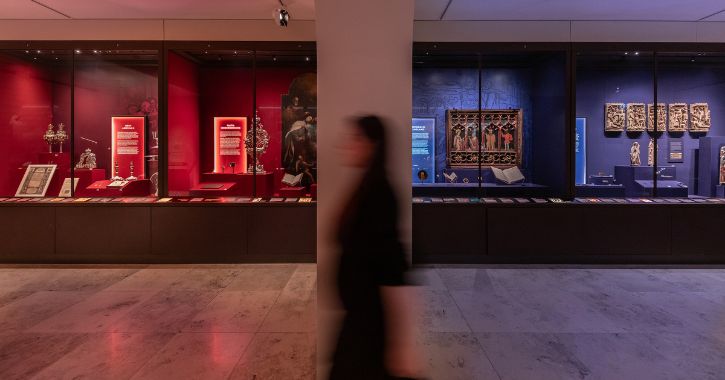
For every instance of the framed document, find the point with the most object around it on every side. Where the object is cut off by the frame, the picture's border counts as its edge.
(65, 189)
(36, 180)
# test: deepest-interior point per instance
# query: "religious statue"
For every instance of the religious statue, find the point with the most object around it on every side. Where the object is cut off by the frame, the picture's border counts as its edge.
(634, 153)
(722, 165)
(651, 152)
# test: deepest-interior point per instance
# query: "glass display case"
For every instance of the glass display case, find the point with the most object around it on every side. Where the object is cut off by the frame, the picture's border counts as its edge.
(489, 121)
(116, 122)
(614, 93)
(242, 122)
(35, 114)
(692, 85)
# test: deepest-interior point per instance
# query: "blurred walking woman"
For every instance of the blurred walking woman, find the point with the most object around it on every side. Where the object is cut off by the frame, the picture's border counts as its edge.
(376, 337)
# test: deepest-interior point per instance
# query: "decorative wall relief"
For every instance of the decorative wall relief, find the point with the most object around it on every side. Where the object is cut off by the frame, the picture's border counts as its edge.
(678, 116)
(661, 117)
(700, 117)
(636, 117)
(614, 117)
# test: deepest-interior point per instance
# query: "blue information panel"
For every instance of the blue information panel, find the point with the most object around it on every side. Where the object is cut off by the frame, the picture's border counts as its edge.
(423, 150)
(580, 150)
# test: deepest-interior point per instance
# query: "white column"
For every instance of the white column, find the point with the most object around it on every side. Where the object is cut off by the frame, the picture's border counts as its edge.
(364, 66)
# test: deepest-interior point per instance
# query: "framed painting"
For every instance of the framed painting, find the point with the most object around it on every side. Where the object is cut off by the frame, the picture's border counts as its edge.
(501, 138)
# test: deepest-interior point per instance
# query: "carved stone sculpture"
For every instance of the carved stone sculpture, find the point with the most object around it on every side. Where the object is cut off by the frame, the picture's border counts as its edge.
(661, 117)
(634, 155)
(651, 152)
(700, 117)
(614, 117)
(678, 117)
(636, 117)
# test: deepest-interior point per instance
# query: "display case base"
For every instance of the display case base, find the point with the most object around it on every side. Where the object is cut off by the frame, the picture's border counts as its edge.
(720, 191)
(608, 191)
(85, 178)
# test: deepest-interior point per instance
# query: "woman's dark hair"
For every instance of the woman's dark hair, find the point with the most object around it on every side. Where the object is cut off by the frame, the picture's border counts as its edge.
(373, 128)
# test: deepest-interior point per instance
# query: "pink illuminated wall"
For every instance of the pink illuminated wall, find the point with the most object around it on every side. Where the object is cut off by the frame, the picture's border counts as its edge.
(184, 155)
(27, 106)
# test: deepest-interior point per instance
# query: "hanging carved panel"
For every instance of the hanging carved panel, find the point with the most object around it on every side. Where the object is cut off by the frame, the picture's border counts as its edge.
(636, 117)
(678, 117)
(501, 138)
(700, 117)
(661, 117)
(614, 117)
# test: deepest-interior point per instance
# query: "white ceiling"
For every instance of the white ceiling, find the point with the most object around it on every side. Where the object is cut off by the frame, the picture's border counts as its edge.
(154, 9)
(639, 10)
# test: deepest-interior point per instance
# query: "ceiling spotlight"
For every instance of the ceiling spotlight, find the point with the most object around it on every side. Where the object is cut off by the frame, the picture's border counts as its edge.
(307, 59)
(636, 53)
(78, 51)
(281, 16)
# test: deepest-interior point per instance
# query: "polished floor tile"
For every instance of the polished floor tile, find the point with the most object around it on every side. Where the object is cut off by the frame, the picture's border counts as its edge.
(196, 356)
(234, 311)
(278, 356)
(106, 356)
(260, 322)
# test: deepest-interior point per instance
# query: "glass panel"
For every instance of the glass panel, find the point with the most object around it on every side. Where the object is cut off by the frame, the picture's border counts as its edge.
(116, 122)
(445, 134)
(524, 124)
(210, 111)
(613, 92)
(35, 122)
(690, 155)
(286, 94)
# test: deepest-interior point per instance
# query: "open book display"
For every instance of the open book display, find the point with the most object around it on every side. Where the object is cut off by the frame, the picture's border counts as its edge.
(292, 180)
(508, 176)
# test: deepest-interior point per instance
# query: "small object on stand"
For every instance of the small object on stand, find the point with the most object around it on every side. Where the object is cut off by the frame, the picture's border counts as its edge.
(61, 136)
(116, 177)
(131, 177)
(49, 137)
(232, 165)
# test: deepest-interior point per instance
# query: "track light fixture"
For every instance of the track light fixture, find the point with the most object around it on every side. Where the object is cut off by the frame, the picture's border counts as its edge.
(281, 15)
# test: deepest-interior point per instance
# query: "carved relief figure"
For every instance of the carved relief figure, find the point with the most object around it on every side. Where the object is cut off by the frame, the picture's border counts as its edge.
(661, 117)
(700, 115)
(614, 117)
(678, 117)
(473, 139)
(634, 154)
(636, 119)
(651, 152)
(722, 165)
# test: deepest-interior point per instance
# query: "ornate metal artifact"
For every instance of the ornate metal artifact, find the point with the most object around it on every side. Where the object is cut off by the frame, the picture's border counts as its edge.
(661, 117)
(634, 155)
(678, 117)
(636, 119)
(700, 117)
(262, 143)
(614, 119)
(61, 136)
(49, 137)
(116, 177)
(501, 138)
(87, 160)
(131, 177)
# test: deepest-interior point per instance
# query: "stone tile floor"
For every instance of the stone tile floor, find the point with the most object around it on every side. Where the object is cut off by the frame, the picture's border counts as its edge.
(259, 322)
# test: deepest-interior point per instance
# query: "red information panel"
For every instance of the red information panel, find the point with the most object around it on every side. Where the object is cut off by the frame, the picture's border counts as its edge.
(229, 153)
(127, 145)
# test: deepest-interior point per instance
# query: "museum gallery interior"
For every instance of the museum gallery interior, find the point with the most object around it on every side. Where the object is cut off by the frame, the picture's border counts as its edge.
(184, 148)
